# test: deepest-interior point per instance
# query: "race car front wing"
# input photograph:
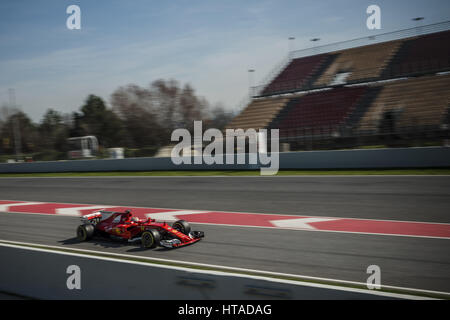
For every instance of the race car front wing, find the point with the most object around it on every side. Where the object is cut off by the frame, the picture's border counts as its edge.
(174, 243)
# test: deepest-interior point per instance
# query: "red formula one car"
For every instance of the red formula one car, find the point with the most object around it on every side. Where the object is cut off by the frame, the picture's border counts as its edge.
(123, 226)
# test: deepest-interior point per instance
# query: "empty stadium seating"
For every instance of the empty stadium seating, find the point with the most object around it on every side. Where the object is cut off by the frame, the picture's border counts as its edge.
(425, 54)
(363, 63)
(324, 111)
(258, 114)
(367, 92)
(298, 74)
(417, 102)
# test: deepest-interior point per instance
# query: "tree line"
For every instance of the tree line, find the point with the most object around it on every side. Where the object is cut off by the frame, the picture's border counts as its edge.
(139, 118)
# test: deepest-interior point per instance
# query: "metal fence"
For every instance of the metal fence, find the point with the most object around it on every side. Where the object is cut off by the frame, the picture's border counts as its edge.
(337, 46)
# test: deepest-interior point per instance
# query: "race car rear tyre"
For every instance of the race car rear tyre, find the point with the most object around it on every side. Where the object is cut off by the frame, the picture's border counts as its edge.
(182, 226)
(150, 238)
(85, 232)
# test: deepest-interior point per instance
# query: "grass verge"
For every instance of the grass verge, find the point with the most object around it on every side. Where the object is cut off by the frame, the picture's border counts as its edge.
(440, 171)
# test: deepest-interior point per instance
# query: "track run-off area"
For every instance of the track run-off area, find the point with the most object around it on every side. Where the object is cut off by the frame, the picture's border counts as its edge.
(319, 226)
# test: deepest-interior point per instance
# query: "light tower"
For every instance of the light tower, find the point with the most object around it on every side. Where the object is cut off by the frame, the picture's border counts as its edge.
(418, 21)
(250, 82)
(291, 45)
(315, 41)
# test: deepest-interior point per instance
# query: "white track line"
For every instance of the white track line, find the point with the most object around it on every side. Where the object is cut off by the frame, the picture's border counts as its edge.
(300, 223)
(263, 275)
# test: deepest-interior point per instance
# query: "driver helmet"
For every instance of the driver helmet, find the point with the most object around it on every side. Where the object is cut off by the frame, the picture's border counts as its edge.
(135, 219)
(127, 216)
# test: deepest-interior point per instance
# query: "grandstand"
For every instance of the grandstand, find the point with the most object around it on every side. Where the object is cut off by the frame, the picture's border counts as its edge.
(419, 103)
(298, 75)
(321, 111)
(426, 54)
(362, 64)
(258, 114)
(393, 91)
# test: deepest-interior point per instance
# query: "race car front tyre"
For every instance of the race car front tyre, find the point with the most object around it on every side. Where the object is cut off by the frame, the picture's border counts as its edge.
(182, 226)
(150, 238)
(85, 232)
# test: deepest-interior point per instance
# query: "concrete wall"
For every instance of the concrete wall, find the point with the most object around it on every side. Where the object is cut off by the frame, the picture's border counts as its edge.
(370, 158)
(129, 164)
(346, 159)
(43, 275)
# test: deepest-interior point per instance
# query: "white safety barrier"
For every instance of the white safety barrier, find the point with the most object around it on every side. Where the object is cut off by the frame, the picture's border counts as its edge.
(46, 274)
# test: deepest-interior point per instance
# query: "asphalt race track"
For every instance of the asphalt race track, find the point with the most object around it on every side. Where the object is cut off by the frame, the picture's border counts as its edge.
(422, 263)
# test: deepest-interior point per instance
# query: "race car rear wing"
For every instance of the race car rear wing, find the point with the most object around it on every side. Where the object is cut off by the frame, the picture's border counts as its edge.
(98, 216)
(95, 216)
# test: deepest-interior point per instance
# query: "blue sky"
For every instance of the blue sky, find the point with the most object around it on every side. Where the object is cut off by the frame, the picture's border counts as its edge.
(209, 43)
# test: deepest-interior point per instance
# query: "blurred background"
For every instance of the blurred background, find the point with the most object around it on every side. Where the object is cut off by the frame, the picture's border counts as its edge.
(372, 86)
(133, 73)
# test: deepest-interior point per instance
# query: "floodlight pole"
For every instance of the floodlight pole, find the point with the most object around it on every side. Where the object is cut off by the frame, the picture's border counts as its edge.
(250, 82)
(315, 40)
(291, 45)
(418, 21)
